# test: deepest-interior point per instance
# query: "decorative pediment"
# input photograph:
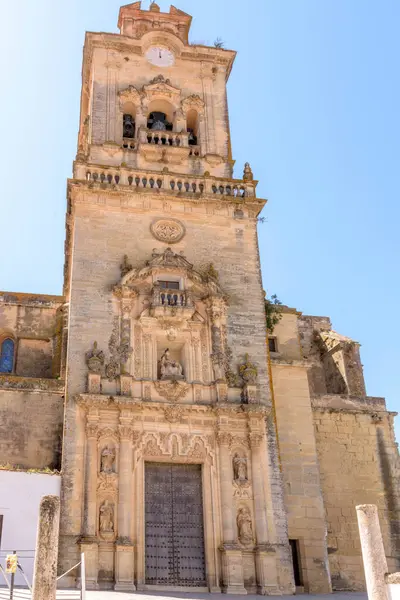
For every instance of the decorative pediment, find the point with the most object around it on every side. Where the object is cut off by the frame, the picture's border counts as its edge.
(194, 101)
(161, 87)
(168, 258)
(130, 94)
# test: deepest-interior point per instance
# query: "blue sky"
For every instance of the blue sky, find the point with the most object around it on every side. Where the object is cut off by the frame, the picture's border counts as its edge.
(313, 98)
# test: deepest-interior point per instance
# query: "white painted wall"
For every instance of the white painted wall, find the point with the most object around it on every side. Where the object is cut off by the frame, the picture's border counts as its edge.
(20, 495)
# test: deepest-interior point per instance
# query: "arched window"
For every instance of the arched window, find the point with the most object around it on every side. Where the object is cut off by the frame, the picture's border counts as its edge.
(192, 120)
(129, 126)
(7, 355)
(158, 121)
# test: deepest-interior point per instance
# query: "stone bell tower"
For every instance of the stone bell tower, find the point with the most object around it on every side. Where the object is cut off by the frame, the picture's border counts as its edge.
(170, 468)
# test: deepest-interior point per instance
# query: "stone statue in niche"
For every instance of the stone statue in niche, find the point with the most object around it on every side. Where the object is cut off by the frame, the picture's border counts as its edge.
(245, 527)
(170, 368)
(240, 468)
(106, 517)
(107, 460)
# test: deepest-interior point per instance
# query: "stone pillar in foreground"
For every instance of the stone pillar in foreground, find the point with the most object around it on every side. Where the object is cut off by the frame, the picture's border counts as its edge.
(232, 561)
(124, 546)
(373, 552)
(45, 569)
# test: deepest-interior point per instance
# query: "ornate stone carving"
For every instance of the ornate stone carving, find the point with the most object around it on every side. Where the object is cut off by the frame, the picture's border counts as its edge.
(248, 371)
(130, 94)
(160, 79)
(173, 413)
(170, 369)
(107, 460)
(256, 439)
(194, 101)
(119, 352)
(242, 490)
(125, 432)
(169, 231)
(125, 266)
(245, 527)
(92, 430)
(107, 482)
(239, 468)
(247, 173)
(95, 359)
(172, 391)
(224, 438)
(106, 519)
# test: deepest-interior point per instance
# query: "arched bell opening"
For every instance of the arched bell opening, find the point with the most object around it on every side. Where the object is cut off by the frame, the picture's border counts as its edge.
(160, 116)
(192, 126)
(128, 123)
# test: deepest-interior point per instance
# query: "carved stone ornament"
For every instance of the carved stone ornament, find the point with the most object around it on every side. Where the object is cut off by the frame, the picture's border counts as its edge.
(239, 469)
(173, 413)
(107, 482)
(125, 266)
(106, 519)
(193, 101)
(95, 359)
(172, 391)
(245, 527)
(170, 369)
(107, 460)
(248, 371)
(247, 173)
(169, 231)
(130, 94)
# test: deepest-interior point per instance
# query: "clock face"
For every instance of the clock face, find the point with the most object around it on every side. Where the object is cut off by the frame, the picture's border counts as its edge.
(160, 57)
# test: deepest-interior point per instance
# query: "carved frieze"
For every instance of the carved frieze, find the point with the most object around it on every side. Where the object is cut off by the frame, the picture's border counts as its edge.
(173, 391)
(173, 413)
(107, 483)
(169, 231)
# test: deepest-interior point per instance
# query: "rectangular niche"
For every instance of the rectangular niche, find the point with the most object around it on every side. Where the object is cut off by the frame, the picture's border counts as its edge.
(177, 353)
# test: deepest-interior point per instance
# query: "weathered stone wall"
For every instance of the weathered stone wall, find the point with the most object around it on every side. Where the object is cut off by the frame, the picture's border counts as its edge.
(32, 321)
(359, 464)
(31, 428)
(298, 455)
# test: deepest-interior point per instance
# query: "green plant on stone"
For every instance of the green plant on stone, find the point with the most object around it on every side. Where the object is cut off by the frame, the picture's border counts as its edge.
(273, 312)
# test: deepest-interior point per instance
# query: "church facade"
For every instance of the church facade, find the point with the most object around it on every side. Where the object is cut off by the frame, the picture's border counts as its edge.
(197, 452)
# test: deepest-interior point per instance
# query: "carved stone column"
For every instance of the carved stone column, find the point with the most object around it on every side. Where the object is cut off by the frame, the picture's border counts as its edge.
(266, 571)
(124, 545)
(89, 542)
(232, 562)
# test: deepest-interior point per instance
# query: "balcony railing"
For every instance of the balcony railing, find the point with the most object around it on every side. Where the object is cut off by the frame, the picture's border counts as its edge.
(167, 182)
(167, 297)
(129, 144)
(164, 138)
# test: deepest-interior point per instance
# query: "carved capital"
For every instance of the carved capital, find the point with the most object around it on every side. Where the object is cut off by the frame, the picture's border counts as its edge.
(92, 430)
(224, 438)
(256, 439)
(125, 432)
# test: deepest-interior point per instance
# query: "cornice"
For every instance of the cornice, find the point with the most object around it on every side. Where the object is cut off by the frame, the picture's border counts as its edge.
(128, 196)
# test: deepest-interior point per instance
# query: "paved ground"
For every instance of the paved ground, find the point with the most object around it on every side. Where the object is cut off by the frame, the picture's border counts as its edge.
(20, 594)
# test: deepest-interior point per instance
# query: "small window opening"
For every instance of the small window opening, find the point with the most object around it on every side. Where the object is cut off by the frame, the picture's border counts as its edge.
(129, 126)
(192, 127)
(294, 546)
(272, 345)
(158, 121)
(7, 356)
(169, 285)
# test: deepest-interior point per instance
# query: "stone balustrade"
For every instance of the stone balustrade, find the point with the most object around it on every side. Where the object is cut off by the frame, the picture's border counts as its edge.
(167, 182)
(129, 144)
(163, 137)
(194, 150)
(167, 297)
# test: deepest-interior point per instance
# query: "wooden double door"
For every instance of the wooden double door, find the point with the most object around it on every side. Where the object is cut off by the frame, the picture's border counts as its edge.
(174, 525)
